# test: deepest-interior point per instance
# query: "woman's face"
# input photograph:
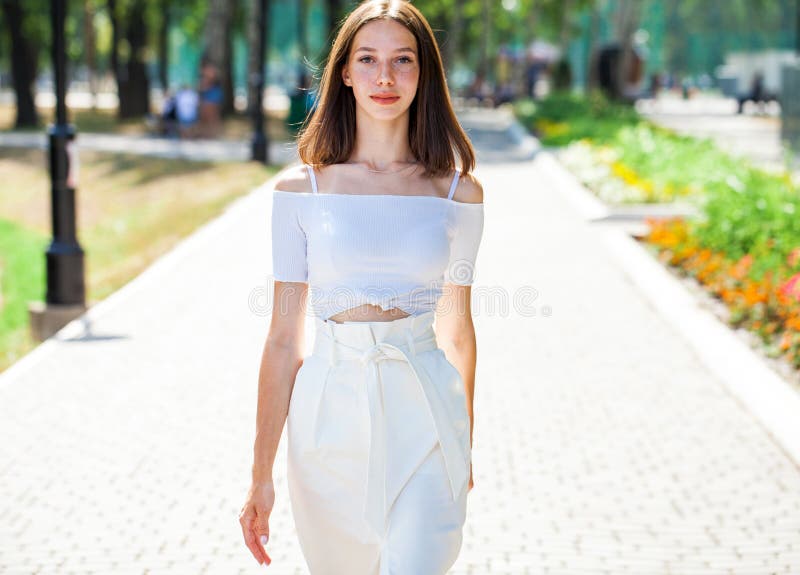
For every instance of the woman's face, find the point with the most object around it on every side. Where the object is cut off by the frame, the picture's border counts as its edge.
(383, 69)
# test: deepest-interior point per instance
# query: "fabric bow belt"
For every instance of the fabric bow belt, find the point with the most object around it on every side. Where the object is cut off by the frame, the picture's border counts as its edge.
(371, 357)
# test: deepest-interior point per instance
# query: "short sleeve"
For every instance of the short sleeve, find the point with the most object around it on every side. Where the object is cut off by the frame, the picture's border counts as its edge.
(467, 231)
(289, 261)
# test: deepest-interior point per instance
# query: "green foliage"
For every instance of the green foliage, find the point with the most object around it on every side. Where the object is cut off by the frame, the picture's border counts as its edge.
(564, 117)
(752, 213)
(671, 161)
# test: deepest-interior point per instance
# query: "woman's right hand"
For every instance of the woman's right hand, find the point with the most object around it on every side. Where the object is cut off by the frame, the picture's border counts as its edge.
(254, 518)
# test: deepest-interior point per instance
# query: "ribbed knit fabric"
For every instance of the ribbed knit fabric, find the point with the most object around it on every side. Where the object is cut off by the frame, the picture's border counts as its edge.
(386, 250)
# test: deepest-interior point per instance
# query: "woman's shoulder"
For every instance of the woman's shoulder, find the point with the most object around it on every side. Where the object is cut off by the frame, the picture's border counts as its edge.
(468, 190)
(294, 179)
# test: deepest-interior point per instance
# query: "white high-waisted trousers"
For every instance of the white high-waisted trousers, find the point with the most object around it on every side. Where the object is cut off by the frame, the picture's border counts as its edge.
(378, 450)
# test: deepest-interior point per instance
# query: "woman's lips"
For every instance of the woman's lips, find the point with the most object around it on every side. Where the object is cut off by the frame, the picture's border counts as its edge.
(385, 100)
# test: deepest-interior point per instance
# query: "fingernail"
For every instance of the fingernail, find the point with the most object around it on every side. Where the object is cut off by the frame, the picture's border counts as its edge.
(264, 539)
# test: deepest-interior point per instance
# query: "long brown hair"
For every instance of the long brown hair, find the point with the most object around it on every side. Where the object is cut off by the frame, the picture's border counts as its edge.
(328, 135)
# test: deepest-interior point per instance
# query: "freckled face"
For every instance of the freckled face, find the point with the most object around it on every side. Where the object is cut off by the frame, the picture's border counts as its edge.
(383, 69)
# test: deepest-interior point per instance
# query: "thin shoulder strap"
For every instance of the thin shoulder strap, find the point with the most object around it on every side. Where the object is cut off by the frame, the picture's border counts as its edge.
(454, 184)
(313, 178)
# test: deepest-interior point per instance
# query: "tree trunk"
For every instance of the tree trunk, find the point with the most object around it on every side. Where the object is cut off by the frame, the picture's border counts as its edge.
(217, 46)
(253, 13)
(335, 9)
(23, 64)
(227, 70)
(116, 70)
(303, 76)
(629, 21)
(566, 31)
(334, 13)
(90, 49)
(163, 46)
(133, 84)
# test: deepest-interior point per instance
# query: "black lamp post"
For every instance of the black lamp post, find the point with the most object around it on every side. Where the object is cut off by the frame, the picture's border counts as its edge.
(260, 145)
(65, 274)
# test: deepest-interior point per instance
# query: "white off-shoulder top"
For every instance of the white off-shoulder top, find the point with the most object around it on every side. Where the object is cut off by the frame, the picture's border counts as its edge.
(388, 250)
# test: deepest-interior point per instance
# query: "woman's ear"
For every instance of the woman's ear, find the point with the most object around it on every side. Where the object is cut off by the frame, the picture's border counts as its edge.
(346, 76)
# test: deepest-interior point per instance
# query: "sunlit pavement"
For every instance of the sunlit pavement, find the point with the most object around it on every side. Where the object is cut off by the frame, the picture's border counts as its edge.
(158, 147)
(602, 443)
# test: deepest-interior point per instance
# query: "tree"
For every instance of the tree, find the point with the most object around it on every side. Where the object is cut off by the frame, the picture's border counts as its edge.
(163, 44)
(335, 8)
(89, 46)
(628, 22)
(218, 48)
(128, 23)
(24, 60)
(453, 45)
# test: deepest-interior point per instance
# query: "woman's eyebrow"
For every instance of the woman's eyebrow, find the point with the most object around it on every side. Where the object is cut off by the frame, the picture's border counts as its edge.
(404, 49)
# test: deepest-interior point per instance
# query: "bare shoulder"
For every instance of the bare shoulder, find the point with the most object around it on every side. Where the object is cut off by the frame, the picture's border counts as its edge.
(294, 179)
(469, 190)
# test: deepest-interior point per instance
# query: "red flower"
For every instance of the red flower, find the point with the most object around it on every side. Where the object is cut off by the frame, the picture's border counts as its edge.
(792, 287)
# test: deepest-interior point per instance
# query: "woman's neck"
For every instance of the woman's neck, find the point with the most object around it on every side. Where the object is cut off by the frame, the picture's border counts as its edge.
(381, 143)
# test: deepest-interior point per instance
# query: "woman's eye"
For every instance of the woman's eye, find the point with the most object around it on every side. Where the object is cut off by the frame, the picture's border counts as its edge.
(370, 59)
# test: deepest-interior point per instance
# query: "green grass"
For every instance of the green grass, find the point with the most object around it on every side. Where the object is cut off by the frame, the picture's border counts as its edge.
(22, 279)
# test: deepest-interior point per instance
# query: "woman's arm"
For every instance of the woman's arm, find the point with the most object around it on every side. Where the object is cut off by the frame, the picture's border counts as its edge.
(280, 360)
(283, 350)
(455, 331)
(455, 334)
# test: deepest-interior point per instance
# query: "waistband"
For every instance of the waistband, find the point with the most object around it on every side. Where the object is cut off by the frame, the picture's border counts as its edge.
(348, 340)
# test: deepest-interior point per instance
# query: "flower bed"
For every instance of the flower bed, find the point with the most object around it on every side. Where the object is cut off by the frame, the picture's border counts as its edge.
(624, 158)
(765, 301)
(745, 247)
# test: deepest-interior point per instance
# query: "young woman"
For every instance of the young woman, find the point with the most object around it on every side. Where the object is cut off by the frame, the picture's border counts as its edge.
(385, 230)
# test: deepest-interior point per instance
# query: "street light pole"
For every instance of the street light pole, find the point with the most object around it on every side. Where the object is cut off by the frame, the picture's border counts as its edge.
(65, 298)
(65, 274)
(260, 144)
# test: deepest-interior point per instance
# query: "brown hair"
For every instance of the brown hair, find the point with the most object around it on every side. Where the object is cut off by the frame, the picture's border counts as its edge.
(328, 135)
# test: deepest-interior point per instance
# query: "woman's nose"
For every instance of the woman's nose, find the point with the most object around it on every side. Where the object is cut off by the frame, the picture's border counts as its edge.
(385, 74)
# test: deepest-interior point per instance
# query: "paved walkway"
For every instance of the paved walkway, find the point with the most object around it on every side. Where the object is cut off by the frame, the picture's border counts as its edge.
(602, 444)
(195, 150)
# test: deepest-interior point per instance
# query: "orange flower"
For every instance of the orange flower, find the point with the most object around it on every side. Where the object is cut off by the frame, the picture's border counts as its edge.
(794, 257)
(752, 295)
(740, 268)
(785, 341)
